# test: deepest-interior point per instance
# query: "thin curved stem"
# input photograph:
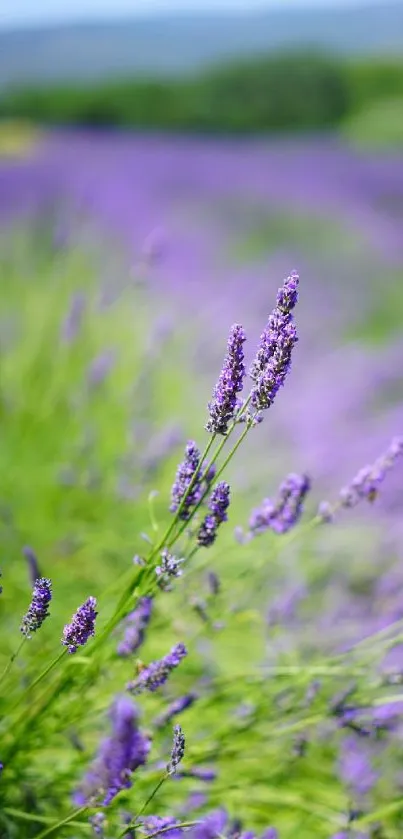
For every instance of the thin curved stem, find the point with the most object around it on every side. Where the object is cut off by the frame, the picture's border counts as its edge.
(12, 658)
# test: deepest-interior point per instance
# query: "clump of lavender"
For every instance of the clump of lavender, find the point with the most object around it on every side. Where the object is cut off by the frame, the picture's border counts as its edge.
(170, 567)
(39, 608)
(367, 482)
(218, 505)
(178, 750)
(176, 707)
(273, 359)
(225, 402)
(119, 755)
(82, 626)
(184, 477)
(156, 674)
(136, 625)
(283, 514)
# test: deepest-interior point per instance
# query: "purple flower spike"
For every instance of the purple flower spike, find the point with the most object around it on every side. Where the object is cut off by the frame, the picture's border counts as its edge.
(157, 673)
(176, 707)
(184, 476)
(225, 400)
(218, 505)
(82, 626)
(270, 833)
(273, 359)
(367, 482)
(136, 625)
(119, 755)
(178, 750)
(283, 514)
(39, 608)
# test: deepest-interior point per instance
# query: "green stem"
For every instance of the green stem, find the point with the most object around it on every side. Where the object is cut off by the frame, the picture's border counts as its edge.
(144, 807)
(40, 677)
(220, 471)
(12, 659)
(18, 814)
(57, 825)
(179, 826)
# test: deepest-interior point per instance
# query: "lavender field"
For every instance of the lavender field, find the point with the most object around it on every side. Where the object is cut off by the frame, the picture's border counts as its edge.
(124, 261)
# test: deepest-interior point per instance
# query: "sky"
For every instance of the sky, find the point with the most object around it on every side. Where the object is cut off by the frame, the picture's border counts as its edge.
(37, 12)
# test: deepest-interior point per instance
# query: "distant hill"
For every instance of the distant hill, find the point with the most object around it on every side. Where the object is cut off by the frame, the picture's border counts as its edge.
(178, 44)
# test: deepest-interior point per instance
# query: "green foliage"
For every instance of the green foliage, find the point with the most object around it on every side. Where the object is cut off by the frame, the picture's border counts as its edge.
(296, 91)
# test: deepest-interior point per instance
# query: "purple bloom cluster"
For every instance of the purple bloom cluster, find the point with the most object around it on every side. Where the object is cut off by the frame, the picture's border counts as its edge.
(82, 626)
(39, 608)
(136, 625)
(218, 505)
(184, 476)
(156, 674)
(273, 359)
(367, 482)
(118, 757)
(176, 707)
(225, 400)
(178, 750)
(281, 515)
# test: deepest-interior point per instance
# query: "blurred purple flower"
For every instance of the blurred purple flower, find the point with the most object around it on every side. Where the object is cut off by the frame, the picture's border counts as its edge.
(156, 674)
(355, 766)
(211, 826)
(176, 707)
(367, 482)
(73, 320)
(136, 625)
(281, 515)
(100, 368)
(118, 757)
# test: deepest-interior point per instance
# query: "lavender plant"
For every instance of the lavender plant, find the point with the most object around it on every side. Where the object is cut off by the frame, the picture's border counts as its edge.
(270, 717)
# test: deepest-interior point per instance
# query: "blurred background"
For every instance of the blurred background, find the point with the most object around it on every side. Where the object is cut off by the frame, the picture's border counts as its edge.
(199, 151)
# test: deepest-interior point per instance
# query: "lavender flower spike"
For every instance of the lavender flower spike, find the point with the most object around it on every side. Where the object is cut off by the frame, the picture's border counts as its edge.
(170, 567)
(273, 359)
(82, 626)
(176, 707)
(184, 476)
(39, 608)
(218, 504)
(178, 750)
(32, 561)
(366, 483)
(136, 624)
(225, 400)
(157, 673)
(282, 515)
(119, 755)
